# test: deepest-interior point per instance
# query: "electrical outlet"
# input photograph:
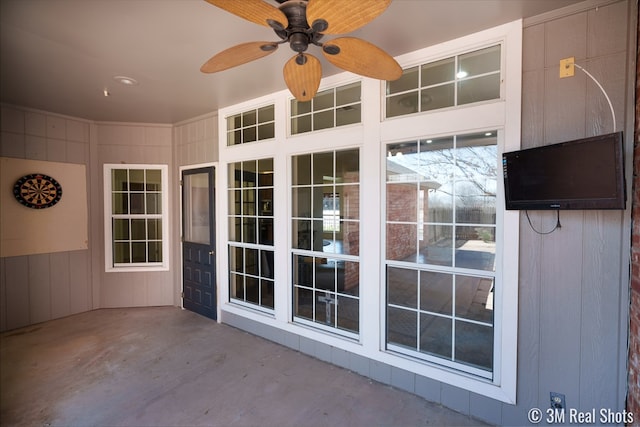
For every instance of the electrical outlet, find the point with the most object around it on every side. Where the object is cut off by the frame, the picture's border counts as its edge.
(567, 69)
(557, 401)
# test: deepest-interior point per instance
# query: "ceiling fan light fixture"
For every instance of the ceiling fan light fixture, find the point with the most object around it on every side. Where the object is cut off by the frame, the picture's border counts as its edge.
(331, 49)
(127, 81)
(319, 25)
(268, 47)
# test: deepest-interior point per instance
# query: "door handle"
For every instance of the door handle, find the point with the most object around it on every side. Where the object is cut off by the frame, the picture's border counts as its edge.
(212, 252)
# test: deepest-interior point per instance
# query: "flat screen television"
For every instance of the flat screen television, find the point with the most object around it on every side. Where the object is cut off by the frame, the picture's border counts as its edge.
(586, 173)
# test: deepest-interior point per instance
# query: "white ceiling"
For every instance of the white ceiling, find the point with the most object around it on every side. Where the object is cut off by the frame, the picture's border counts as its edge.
(60, 55)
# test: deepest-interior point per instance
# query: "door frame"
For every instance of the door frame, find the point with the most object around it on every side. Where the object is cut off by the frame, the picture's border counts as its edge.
(181, 169)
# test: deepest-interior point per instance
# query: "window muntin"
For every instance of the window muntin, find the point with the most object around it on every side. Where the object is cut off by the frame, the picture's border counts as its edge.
(441, 248)
(326, 278)
(251, 253)
(252, 125)
(136, 226)
(329, 108)
(458, 80)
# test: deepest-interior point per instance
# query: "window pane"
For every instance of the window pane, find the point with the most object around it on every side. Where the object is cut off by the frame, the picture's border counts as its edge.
(438, 72)
(348, 238)
(121, 229)
(234, 137)
(266, 114)
(249, 202)
(437, 97)
(155, 252)
(300, 124)
(474, 345)
(266, 231)
(154, 180)
(436, 247)
(138, 252)
(119, 180)
(137, 201)
(302, 270)
(401, 242)
(154, 229)
(476, 248)
(480, 61)
(236, 286)
(398, 105)
(251, 261)
(249, 230)
(323, 168)
(136, 179)
(265, 172)
(154, 203)
(435, 335)
(402, 287)
(408, 81)
(266, 131)
(235, 229)
(319, 195)
(402, 327)
(348, 166)
(349, 278)
(234, 122)
(235, 202)
(479, 89)
(323, 100)
(325, 308)
(252, 289)
(121, 252)
(348, 115)
(249, 118)
(323, 120)
(348, 94)
(301, 170)
(266, 264)
(266, 293)
(474, 298)
(265, 202)
(138, 229)
(298, 108)
(249, 134)
(236, 259)
(402, 202)
(303, 302)
(436, 292)
(301, 202)
(348, 313)
(325, 274)
(120, 203)
(301, 234)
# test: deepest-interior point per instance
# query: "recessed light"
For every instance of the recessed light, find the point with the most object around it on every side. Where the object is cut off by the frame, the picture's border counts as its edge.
(461, 74)
(488, 134)
(127, 81)
(106, 92)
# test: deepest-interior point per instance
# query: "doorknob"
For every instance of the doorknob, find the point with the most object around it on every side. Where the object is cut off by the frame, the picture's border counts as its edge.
(212, 252)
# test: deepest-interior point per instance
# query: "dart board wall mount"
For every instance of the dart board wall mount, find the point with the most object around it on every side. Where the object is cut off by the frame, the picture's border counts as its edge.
(37, 191)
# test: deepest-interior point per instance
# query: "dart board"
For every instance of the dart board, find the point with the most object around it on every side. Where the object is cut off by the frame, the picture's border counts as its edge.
(37, 191)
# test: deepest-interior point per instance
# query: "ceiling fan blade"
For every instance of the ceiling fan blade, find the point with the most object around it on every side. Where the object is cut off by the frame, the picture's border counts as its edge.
(302, 73)
(344, 16)
(361, 57)
(255, 11)
(238, 55)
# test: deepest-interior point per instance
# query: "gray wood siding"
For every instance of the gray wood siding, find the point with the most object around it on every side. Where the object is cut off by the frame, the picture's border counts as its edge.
(37, 288)
(573, 282)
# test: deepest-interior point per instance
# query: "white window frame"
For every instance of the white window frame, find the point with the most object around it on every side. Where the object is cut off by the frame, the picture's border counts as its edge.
(108, 223)
(372, 135)
(502, 115)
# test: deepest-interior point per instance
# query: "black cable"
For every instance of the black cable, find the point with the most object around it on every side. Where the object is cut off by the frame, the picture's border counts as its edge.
(545, 232)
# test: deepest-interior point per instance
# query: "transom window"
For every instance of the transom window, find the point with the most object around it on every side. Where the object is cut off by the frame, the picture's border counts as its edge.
(441, 249)
(325, 197)
(329, 108)
(458, 80)
(251, 262)
(136, 227)
(252, 125)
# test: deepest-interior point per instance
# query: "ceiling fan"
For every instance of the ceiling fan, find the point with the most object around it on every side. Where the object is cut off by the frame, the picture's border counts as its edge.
(305, 22)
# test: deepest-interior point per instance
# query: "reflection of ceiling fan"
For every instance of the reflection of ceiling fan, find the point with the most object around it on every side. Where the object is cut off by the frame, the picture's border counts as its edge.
(290, 21)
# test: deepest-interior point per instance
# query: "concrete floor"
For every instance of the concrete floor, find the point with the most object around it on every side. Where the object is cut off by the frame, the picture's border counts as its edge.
(168, 367)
